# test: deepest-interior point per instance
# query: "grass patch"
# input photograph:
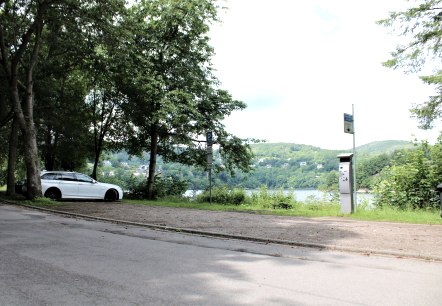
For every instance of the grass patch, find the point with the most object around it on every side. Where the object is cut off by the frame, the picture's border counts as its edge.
(310, 209)
(389, 214)
(301, 210)
(41, 202)
(20, 199)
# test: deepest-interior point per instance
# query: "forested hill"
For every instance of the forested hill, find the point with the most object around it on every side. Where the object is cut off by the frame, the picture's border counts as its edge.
(383, 147)
(278, 165)
(288, 149)
(309, 157)
(304, 166)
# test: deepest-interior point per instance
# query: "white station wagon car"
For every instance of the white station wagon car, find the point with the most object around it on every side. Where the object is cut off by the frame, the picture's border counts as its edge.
(73, 185)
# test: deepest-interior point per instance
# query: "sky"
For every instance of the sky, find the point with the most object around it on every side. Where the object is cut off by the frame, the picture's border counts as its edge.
(300, 65)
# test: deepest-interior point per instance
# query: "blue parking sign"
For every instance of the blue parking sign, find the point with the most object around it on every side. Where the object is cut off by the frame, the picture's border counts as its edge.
(209, 138)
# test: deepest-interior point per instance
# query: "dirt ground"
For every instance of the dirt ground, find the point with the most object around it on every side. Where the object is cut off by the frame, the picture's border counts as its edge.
(396, 239)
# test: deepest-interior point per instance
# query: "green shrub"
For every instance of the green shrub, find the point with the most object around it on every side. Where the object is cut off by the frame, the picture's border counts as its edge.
(170, 187)
(411, 181)
(276, 200)
(238, 196)
(262, 199)
(279, 200)
(222, 195)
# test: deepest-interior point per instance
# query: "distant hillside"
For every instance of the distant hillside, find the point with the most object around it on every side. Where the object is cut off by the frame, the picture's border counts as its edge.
(290, 149)
(386, 146)
(275, 165)
(286, 150)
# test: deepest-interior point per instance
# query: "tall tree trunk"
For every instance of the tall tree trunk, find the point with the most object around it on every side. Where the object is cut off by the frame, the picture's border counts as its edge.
(152, 161)
(24, 106)
(32, 164)
(12, 157)
(30, 140)
(98, 149)
(5, 113)
(24, 113)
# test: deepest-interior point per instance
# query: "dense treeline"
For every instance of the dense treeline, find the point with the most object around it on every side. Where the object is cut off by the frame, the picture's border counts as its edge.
(78, 78)
(282, 165)
(400, 174)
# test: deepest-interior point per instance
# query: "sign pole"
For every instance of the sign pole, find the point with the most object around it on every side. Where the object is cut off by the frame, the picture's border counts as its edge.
(349, 128)
(209, 153)
(210, 185)
(354, 159)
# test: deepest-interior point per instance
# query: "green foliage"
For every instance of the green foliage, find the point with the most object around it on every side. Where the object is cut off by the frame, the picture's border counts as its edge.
(274, 165)
(222, 195)
(387, 147)
(41, 201)
(393, 214)
(113, 180)
(169, 187)
(421, 25)
(369, 168)
(262, 198)
(329, 181)
(410, 183)
(428, 112)
(280, 200)
(163, 188)
(275, 200)
(173, 98)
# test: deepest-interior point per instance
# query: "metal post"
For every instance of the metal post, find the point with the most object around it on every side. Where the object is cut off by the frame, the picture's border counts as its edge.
(209, 154)
(354, 160)
(210, 185)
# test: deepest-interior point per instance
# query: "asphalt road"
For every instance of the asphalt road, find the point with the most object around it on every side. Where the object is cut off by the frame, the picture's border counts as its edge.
(51, 260)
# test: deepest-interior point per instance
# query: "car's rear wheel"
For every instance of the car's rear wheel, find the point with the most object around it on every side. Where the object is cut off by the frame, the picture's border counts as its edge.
(53, 194)
(111, 195)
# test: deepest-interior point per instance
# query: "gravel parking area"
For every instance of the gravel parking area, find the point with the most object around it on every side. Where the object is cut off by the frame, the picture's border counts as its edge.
(396, 239)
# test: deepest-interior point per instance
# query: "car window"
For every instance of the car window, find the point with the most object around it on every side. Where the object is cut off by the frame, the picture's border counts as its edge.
(47, 176)
(68, 177)
(83, 178)
(50, 176)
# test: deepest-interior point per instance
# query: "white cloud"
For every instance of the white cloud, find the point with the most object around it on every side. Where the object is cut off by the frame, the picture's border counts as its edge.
(299, 65)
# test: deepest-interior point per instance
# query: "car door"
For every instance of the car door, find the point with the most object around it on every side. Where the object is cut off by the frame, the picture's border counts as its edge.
(88, 188)
(68, 185)
(50, 180)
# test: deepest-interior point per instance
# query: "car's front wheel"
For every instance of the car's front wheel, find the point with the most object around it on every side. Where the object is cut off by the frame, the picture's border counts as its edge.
(53, 194)
(111, 195)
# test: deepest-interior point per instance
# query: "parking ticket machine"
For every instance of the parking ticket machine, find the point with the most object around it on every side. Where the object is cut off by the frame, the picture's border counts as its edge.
(346, 182)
